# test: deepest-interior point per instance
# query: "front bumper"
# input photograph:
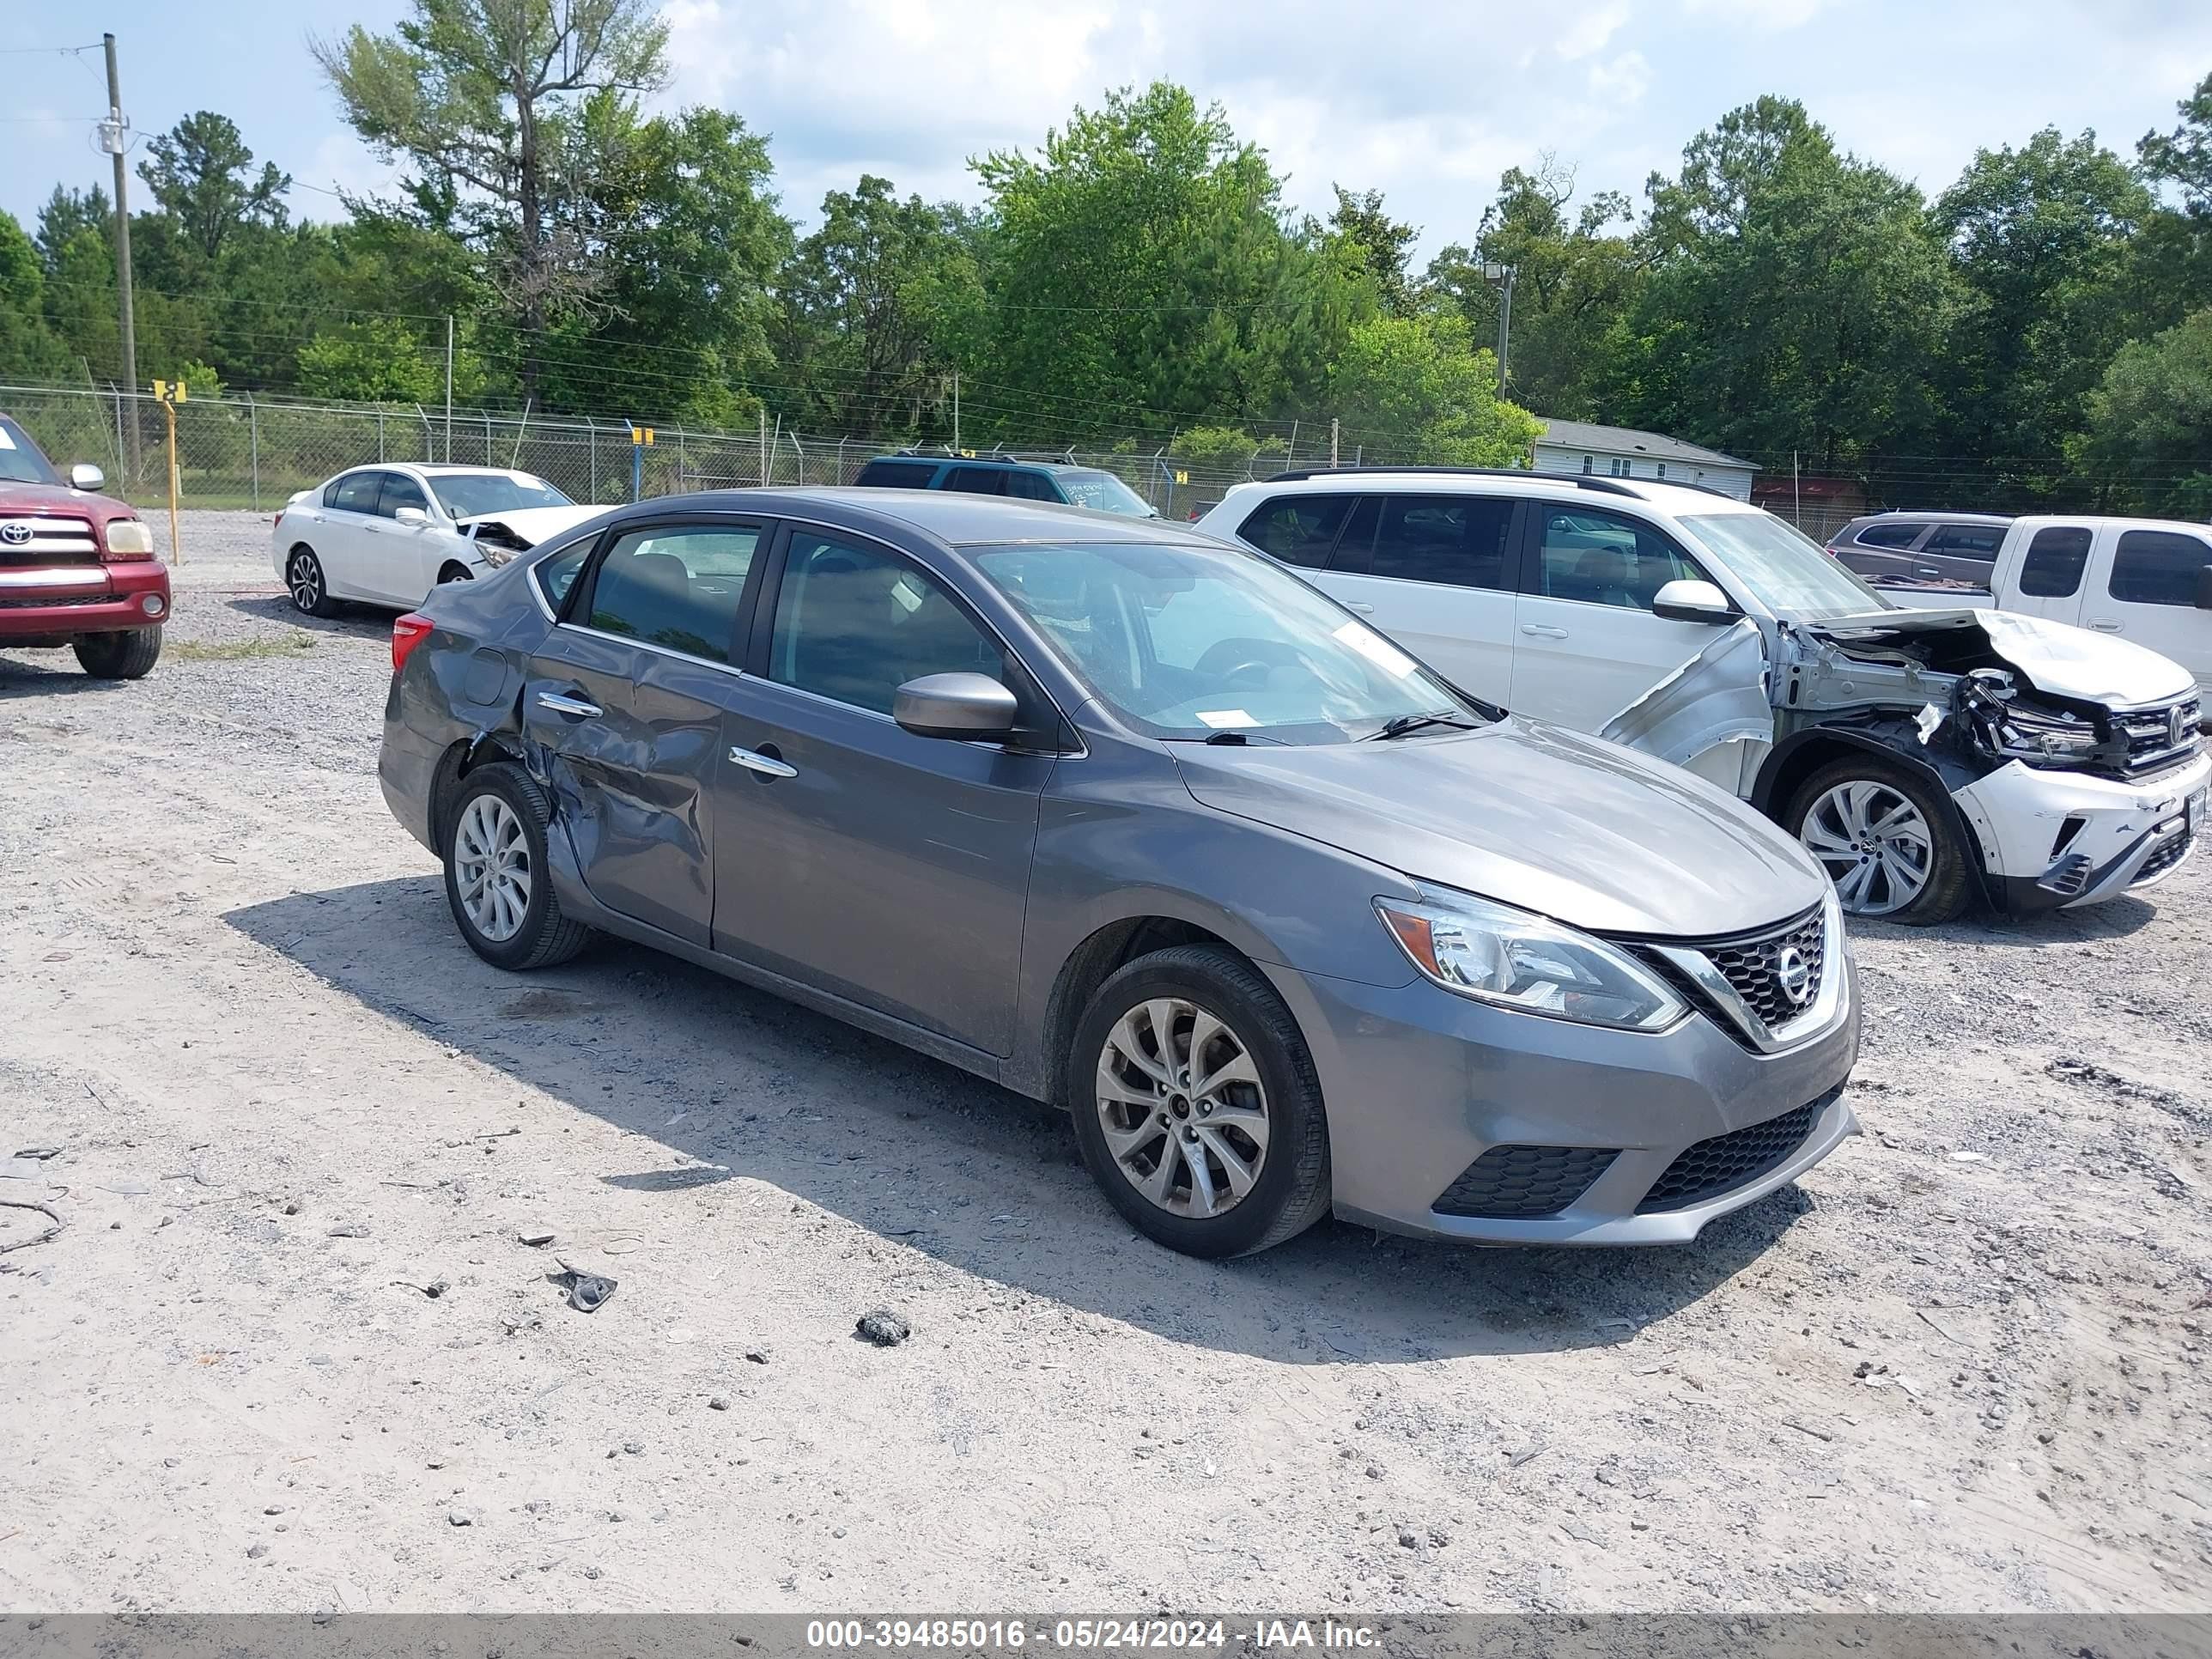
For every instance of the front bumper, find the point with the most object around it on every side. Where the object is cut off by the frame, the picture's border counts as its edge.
(53, 604)
(2056, 840)
(1420, 1084)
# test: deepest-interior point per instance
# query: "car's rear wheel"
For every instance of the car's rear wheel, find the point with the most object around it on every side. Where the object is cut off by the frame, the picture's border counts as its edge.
(303, 580)
(1196, 1105)
(496, 880)
(129, 655)
(1886, 839)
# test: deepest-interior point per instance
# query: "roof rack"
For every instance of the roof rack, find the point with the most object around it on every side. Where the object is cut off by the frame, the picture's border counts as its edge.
(1600, 486)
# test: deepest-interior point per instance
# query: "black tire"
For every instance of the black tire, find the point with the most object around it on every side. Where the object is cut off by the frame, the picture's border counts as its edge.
(545, 936)
(1292, 1189)
(303, 582)
(455, 573)
(1950, 887)
(127, 655)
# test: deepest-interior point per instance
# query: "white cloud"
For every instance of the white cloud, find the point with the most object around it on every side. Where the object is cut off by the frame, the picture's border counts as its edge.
(1593, 30)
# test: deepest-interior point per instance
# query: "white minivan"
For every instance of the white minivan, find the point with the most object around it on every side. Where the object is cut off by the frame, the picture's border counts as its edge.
(1928, 757)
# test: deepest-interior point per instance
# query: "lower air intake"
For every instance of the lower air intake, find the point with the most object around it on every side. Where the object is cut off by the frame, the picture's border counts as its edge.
(1522, 1183)
(1725, 1161)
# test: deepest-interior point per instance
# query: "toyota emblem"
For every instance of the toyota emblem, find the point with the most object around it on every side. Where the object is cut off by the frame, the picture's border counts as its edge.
(15, 534)
(1794, 974)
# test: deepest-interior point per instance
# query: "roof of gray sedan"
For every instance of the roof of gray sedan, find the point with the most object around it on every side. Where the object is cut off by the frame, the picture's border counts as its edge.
(961, 520)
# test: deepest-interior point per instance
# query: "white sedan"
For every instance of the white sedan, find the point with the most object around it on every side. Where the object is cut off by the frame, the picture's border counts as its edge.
(388, 534)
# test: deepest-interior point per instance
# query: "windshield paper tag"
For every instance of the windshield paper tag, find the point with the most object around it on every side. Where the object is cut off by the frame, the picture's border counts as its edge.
(6, 442)
(907, 594)
(1224, 718)
(1377, 649)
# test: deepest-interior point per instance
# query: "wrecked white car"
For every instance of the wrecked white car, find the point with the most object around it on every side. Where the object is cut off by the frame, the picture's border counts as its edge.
(389, 534)
(1927, 758)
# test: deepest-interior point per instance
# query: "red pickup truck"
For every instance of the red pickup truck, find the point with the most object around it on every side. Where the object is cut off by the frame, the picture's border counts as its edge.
(77, 567)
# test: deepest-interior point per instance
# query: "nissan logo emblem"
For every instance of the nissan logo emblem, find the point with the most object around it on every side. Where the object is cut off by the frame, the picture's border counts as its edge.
(1794, 975)
(14, 534)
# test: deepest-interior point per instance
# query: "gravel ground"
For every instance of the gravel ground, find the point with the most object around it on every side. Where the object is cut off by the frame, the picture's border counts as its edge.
(1959, 1367)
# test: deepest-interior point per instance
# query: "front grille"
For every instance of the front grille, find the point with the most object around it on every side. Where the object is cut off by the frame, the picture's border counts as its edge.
(2175, 849)
(53, 539)
(48, 603)
(1753, 966)
(1726, 1162)
(2150, 735)
(1520, 1183)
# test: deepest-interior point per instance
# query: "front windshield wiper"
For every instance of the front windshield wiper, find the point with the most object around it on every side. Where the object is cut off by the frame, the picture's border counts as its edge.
(1399, 726)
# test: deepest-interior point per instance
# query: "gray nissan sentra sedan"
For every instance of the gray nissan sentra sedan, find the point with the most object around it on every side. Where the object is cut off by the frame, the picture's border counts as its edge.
(1136, 822)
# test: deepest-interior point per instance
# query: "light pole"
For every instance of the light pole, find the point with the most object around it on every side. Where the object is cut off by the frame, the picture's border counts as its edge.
(1503, 275)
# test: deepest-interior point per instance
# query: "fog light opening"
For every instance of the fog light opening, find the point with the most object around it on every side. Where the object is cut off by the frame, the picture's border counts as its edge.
(151, 603)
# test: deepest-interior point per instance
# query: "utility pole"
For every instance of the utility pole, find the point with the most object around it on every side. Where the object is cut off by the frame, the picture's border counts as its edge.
(113, 139)
(1503, 276)
(449, 387)
(1333, 434)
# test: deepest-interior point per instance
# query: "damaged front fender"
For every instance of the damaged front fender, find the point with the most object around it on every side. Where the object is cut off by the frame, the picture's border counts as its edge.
(1714, 715)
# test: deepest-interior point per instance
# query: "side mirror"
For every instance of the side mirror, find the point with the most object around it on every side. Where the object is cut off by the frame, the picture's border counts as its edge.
(971, 705)
(1693, 602)
(2204, 587)
(85, 476)
(414, 515)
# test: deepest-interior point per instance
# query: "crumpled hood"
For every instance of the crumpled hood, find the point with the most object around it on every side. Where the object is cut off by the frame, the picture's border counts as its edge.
(2055, 658)
(1529, 814)
(535, 524)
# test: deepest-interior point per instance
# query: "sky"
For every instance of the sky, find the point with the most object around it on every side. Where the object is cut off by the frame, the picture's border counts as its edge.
(1428, 103)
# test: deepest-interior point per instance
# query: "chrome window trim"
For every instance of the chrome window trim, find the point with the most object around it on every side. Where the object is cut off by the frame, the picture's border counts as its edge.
(731, 669)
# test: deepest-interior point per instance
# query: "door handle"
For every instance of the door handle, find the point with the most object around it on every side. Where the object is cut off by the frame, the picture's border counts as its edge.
(2105, 624)
(766, 765)
(1363, 609)
(1925, 570)
(566, 705)
(1539, 631)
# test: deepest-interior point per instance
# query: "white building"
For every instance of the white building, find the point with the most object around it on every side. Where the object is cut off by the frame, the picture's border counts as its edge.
(1620, 451)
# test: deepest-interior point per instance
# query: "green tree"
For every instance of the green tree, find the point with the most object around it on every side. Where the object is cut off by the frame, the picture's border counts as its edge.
(1795, 300)
(2040, 237)
(28, 346)
(1140, 268)
(2170, 264)
(881, 303)
(1385, 244)
(200, 171)
(492, 101)
(2149, 422)
(1417, 389)
(380, 360)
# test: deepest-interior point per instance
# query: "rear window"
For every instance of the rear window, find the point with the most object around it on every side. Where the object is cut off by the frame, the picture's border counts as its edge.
(1456, 541)
(977, 481)
(2158, 566)
(2053, 568)
(1966, 541)
(1885, 534)
(355, 493)
(898, 475)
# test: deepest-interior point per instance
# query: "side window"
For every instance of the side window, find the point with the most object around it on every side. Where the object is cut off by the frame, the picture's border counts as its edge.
(1296, 529)
(1602, 558)
(355, 493)
(556, 574)
(400, 491)
(898, 475)
(1458, 541)
(1032, 487)
(1885, 534)
(977, 481)
(679, 587)
(2158, 566)
(854, 624)
(1966, 541)
(2053, 568)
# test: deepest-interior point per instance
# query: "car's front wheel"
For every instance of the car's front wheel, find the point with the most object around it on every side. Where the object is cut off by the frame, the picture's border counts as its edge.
(129, 655)
(1196, 1105)
(303, 580)
(496, 881)
(1887, 838)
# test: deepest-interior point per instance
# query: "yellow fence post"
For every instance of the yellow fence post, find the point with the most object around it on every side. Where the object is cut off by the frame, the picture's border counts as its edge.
(169, 394)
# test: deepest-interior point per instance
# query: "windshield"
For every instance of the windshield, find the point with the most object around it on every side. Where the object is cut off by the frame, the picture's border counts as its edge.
(19, 460)
(1786, 570)
(472, 495)
(1189, 642)
(1105, 492)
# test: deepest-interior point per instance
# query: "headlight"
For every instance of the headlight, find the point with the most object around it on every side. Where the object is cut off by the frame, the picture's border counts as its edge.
(2031, 734)
(496, 555)
(1510, 958)
(130, 539)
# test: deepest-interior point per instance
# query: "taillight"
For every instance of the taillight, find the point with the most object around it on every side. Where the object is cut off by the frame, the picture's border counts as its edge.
(408, 632)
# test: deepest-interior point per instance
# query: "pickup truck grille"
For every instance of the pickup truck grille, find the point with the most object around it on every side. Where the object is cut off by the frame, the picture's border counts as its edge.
(52, 538)
(2157, 738)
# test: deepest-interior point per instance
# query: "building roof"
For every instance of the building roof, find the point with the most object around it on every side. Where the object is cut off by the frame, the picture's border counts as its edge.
(1627, 440)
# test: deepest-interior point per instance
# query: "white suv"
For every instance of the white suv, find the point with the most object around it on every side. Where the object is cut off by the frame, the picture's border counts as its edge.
(1925, 756)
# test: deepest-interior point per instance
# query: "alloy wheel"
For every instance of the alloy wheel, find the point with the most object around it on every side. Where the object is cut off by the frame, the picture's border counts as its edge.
(1183, 1108)
(1875, 844)
(304, 577)
(491, 868)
